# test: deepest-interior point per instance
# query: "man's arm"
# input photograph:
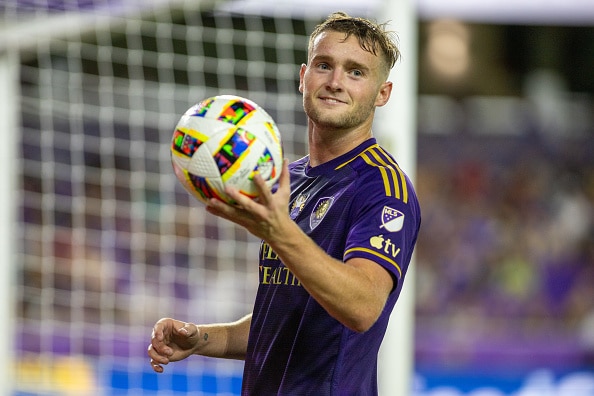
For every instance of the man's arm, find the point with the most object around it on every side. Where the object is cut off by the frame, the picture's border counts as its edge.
(228, 340)
(173, 340)
(354, 292)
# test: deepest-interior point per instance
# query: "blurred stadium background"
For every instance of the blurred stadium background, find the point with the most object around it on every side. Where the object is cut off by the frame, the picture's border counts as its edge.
(100, 241)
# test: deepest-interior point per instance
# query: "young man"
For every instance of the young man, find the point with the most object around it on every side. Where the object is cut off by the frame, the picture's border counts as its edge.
(337, 236)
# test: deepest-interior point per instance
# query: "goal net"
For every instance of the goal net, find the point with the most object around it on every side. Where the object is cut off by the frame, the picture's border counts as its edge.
(107, 241)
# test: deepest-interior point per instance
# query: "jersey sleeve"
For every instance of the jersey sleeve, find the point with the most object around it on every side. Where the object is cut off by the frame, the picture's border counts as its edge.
(385, 227)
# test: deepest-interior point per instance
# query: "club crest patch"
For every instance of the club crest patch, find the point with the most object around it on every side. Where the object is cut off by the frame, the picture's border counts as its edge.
(319, 211)
(298, 205)
(392, 219)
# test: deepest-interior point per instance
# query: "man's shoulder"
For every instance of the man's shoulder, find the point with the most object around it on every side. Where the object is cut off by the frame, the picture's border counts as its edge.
(377, 168)
(372, 159)
(299, 165)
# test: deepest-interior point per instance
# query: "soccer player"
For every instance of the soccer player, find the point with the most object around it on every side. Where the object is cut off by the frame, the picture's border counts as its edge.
(337, 236)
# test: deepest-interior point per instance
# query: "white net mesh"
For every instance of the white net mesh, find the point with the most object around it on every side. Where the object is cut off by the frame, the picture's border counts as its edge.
(109, 241)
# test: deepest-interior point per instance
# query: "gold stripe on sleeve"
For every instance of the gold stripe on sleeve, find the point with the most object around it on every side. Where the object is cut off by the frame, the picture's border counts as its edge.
(395, 166)
(386, 258)
(392, 176)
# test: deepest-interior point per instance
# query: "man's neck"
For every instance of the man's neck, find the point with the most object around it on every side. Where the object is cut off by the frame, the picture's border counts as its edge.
(325, 145)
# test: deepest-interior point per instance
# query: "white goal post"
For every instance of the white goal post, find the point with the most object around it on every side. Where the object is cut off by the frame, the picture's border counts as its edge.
(8, 127)
(98, 238)
(396, 126)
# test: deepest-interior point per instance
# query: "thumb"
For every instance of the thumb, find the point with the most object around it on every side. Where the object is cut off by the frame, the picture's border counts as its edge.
(188, 329)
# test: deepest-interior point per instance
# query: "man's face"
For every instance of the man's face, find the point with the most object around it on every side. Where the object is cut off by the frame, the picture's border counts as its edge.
(342, 83)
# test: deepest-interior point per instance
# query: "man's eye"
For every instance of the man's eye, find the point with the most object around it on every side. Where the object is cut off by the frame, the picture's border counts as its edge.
(357, 73)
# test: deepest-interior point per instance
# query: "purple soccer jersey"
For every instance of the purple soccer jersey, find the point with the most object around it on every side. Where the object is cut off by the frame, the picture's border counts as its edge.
(358, 205)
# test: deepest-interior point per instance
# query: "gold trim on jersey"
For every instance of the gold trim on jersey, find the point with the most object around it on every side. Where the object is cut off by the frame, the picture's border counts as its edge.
(375, 253)
(392, 175)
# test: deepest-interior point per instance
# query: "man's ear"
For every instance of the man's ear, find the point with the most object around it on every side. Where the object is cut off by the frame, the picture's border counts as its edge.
(301, 74)
(384, 94)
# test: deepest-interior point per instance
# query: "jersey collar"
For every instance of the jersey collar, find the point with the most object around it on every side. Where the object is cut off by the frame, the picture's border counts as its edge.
(330, 166)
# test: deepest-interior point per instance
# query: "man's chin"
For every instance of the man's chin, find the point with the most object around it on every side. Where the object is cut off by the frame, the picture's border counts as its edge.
(329, 122)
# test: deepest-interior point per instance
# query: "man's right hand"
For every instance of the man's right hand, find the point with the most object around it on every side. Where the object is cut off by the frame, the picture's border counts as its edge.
(172, 340)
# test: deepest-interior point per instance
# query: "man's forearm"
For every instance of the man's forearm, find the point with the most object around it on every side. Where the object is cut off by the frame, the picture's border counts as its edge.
(224, 340)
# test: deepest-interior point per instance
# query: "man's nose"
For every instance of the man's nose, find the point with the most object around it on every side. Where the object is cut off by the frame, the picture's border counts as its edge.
(335, 80)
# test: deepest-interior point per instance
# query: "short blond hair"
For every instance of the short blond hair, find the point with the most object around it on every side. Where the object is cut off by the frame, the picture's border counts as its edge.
(372, 37)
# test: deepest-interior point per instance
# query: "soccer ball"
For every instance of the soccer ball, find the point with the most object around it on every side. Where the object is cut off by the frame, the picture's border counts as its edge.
(224, 141)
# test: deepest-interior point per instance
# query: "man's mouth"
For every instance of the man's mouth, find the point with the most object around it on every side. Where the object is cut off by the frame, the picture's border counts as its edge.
(331, 100)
